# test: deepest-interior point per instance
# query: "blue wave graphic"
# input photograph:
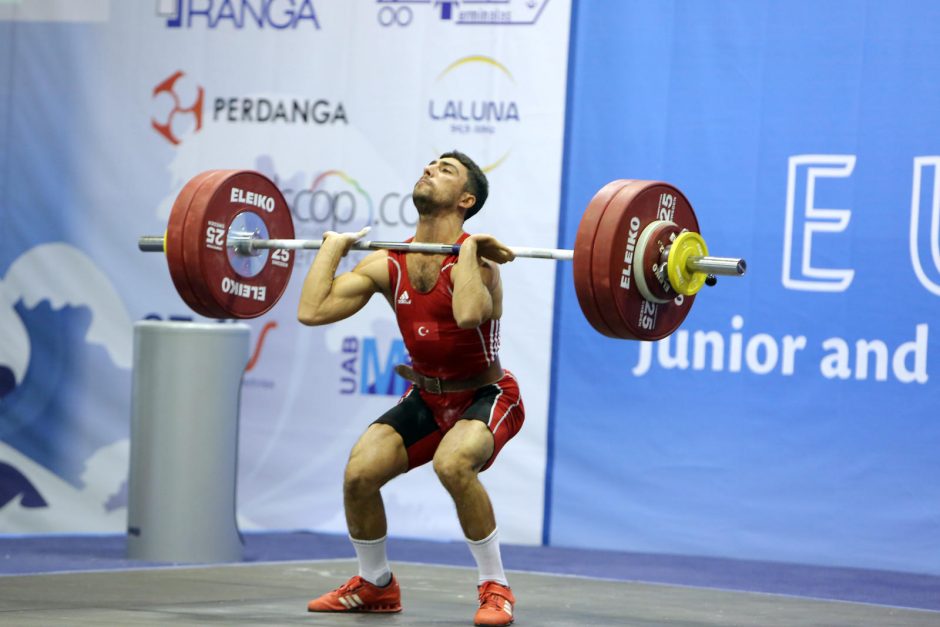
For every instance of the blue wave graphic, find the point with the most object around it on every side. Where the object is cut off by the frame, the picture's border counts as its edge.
(72, 401)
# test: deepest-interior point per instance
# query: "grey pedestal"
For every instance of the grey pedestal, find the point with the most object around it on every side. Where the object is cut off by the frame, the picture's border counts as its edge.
(184, 441)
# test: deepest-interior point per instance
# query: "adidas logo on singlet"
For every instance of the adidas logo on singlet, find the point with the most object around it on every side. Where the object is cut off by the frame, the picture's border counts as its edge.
(404, 299)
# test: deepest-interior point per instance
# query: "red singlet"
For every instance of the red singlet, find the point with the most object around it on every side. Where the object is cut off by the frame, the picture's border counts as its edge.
(438, 347)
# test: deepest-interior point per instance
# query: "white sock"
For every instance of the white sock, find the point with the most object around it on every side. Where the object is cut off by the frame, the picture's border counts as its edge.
(489, 562)
(373, 562)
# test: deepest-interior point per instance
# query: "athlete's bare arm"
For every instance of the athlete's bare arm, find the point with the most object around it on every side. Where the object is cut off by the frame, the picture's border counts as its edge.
(326, 298)
(478, 292)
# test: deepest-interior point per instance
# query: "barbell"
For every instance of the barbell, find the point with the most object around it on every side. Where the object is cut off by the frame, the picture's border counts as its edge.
(639, 258)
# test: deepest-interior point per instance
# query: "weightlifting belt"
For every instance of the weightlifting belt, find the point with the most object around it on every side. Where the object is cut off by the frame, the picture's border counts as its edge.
(436, 385)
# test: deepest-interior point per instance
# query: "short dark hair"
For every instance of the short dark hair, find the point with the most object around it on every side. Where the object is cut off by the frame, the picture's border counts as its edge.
(476, 181)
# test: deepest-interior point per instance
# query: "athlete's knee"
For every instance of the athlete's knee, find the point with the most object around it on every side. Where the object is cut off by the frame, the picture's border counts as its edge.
(360, 480)
(377, 457)
(455, 469)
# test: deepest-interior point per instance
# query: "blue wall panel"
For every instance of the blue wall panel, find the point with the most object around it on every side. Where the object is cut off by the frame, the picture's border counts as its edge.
(831, 456)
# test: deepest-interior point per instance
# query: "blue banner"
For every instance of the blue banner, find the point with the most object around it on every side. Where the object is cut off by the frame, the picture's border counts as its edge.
(794, 416)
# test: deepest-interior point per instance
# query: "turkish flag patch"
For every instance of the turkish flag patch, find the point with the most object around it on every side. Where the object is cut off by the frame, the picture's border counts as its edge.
(426, 331)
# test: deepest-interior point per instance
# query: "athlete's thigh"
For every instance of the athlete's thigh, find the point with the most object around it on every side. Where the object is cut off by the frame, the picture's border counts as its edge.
(413, 423)
(498, 406)
(469, 442)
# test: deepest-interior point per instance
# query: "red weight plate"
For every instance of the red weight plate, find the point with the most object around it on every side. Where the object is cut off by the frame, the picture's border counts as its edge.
(619, 301)
(174, 242)
(205, 252)
(583, 245)
(194, 236)
(614, 247)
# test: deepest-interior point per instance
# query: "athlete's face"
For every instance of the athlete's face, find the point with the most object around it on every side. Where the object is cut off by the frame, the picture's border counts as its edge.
(442, 184)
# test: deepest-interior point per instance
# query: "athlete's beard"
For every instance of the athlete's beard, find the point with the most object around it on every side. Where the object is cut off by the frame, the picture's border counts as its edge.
(425, 202)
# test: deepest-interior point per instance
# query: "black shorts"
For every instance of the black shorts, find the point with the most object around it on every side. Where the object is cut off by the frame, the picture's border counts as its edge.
(422, 418)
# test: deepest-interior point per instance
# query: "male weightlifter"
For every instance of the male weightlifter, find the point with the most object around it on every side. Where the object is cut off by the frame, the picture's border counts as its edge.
(461, 408)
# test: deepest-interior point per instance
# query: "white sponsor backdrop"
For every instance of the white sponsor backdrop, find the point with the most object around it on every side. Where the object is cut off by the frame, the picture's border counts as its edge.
(341, 103)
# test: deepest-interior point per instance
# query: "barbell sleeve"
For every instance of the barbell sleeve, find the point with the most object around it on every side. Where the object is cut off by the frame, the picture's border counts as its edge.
(725, 266)
(150, 243)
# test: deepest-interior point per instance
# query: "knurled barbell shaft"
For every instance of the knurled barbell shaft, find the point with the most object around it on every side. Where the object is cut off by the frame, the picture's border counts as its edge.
(725, 266)
(413, 247)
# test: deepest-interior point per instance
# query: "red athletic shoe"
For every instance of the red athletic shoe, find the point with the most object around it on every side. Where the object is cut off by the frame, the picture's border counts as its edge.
(496, 603)
(358, 595)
